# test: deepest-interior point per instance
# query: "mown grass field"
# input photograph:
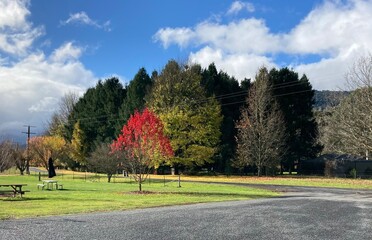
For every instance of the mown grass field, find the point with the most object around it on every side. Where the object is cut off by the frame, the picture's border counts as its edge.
(91, 194)
(84, 192)
(290, 180)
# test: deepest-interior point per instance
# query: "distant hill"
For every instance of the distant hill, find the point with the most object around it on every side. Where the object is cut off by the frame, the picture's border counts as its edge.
(324, 99)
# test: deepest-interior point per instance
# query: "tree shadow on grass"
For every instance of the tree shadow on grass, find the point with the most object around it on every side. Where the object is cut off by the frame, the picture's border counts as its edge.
(203, 194)
(217, 194)
(23, 199)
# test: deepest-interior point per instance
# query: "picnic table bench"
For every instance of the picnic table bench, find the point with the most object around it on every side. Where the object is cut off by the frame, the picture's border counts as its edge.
(15, 188)
(49, 184)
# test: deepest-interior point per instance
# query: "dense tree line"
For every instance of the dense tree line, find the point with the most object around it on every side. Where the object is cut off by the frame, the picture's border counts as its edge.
(97, 113)
(204, 113)
(231, 96)
(212, 121)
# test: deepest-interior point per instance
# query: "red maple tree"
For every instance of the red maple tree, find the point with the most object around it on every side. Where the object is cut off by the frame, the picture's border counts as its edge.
(142, 144)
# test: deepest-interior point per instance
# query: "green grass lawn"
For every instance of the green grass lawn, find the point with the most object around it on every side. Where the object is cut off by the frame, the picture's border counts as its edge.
(93, 194)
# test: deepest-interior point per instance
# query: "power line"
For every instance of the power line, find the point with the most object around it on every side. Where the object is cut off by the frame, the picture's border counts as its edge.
(280, 95)
(219, 97)
(117, 118)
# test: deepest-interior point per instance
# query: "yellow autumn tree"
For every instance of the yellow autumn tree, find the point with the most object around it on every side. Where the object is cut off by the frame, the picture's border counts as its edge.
(44, 147)
(78, 150)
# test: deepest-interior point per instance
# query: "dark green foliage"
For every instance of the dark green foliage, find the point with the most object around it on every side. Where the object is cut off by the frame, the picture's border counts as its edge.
(231, 96)
(98, 111)
(135, 97)
(296, 99)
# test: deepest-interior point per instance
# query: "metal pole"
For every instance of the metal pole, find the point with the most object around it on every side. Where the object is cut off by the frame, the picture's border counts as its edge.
(28, 148)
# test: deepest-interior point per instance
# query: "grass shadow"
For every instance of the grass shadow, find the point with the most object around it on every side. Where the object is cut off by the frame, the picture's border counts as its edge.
(202, 194)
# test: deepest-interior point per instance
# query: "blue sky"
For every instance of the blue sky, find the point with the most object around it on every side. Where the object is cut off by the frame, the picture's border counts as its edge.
(127, 43)
(50, 47)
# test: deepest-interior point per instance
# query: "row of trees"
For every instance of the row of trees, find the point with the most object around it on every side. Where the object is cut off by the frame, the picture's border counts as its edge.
(199, 109)
(207, 116)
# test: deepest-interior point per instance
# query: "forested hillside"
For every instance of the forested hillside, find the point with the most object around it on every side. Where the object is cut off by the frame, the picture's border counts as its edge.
(327, 98)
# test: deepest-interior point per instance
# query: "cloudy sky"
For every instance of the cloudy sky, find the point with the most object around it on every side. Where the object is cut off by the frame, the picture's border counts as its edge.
(51, 47)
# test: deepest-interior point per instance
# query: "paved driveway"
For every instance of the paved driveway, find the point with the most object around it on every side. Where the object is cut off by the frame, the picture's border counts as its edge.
(301, 213)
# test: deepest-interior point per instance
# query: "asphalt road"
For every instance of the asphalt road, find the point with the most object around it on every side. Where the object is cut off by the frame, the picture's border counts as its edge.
(301, 213)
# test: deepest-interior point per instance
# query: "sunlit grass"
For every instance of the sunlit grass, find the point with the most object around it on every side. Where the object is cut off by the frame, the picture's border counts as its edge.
(291, 180)
(91, 193)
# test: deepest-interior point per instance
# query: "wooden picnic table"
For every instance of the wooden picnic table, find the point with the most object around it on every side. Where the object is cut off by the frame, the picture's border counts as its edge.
(16, 188)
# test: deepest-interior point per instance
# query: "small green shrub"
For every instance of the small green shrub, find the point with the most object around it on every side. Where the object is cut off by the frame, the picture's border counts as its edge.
(353, 173)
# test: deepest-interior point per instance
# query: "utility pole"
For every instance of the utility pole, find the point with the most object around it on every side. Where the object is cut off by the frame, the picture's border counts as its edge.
(28, 147)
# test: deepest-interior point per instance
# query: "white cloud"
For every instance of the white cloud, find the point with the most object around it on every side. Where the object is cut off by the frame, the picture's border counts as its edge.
(31, 88)
(16, 33)
(335, 32)
(239, 66)
(47, 104)
(329, 73)
(247, 35)
(332, 28)
(32, 83)
(238, 6)
(13, 14)
(66, 52)
(84, 19)
(180, 36)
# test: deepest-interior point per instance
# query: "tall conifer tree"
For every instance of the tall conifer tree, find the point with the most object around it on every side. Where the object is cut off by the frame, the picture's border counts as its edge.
(137, 90)
(296, 99)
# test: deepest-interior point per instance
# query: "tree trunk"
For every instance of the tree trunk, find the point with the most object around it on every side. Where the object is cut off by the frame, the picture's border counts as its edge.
(140, 183)
(258, 171)
(28, 167)
(109, 177)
